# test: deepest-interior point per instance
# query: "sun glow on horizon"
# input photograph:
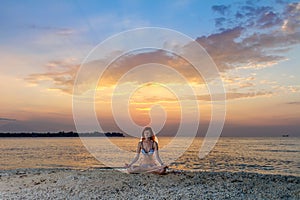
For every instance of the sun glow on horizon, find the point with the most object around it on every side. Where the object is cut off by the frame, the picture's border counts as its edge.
(255, 47)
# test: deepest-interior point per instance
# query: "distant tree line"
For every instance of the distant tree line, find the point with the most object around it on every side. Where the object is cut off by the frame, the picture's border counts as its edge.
(62, 134)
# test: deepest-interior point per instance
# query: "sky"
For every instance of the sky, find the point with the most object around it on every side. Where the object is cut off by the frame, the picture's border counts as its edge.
(254, 44)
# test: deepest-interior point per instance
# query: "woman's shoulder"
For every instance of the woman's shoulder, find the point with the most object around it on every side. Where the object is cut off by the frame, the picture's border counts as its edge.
(154, 142)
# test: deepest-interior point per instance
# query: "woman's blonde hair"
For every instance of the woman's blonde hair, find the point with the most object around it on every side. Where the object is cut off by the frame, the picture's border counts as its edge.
(152, 137)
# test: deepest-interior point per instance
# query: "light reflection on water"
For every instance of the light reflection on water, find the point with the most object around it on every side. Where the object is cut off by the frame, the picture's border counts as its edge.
(272, 155)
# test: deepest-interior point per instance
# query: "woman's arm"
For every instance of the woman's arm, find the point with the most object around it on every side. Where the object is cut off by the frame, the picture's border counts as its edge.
(156, 153)
(137, 155)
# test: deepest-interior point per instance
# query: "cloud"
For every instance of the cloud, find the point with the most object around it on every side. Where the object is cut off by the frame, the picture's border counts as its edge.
(149, 101)
(219, 21)
(246, 85)
(221, 9)
(7, 119)
(268, 20)
(292, 21)
(227, 53)
(61, 74)
(251, 16)
(247, 14)
(235, 95)
(57, 30)
(293, 88)
(40, 125)
(206, 97)
(254, 37)
(294, 103)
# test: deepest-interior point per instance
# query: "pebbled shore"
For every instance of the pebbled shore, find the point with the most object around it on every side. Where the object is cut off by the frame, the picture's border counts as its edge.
(111, 184)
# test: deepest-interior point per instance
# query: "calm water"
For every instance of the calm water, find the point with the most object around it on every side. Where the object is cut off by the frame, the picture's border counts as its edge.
(275, 155)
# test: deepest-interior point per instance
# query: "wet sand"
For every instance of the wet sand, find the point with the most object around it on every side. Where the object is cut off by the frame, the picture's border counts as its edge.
(112, 184)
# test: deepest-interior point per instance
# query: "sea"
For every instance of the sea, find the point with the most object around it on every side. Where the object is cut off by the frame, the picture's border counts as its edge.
(265, 155)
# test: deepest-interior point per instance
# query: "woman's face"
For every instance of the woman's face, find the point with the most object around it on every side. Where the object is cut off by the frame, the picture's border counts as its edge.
(147, 134)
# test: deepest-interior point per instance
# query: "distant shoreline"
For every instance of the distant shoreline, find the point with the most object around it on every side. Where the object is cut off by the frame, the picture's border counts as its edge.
(63, 134)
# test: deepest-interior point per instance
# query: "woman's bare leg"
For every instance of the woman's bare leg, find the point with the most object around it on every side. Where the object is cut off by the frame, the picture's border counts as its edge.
(134, 169)
(161, 170)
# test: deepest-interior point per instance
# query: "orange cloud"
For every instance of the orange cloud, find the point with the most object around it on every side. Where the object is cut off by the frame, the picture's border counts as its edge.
(62, 75)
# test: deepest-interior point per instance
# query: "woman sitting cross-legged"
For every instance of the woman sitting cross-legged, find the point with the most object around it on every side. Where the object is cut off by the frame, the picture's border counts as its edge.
(149, 147)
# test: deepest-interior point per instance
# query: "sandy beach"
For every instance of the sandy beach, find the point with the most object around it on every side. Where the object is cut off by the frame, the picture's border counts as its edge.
(112, 184)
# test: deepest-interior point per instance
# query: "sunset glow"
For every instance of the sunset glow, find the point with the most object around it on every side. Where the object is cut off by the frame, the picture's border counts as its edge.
(255, 46)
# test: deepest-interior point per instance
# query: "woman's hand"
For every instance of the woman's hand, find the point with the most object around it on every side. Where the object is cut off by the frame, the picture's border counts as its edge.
(163, 165)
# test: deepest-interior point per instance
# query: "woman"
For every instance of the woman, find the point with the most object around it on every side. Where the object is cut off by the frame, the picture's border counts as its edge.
(149, 147)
